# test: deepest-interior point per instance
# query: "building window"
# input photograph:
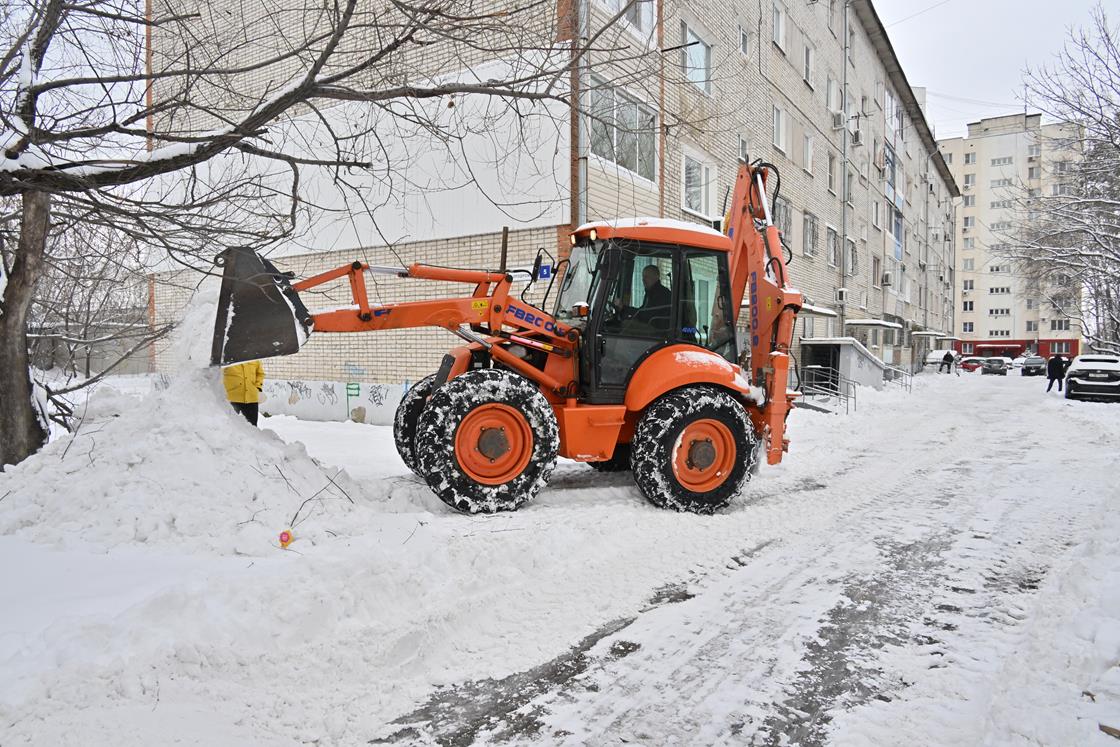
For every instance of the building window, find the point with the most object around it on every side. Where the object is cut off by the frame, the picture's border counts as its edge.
(1000, 268)
(640, 15)
(850, 187)
(779, 18)
(832, 16)
(851, 45)
(832, 173)
(999, 333)
(876, 212)
(948, 158)
(1001, 290)
(970, 201)
(744, 41)
(833, 96)
(699, 178)
(1031, 304)
(810, 235)
(1000, 183)
(999, 312)
(968, 326)
(851, 258)
(1059, 325)
(969, 159)
(970, 243)
(970, 180)
(1032, 326)
(1034, 172)
(969, 265)
(696, 58)
(623, 130)
(1034, 150)
(968, 285)
(780, 129)
(783, 216)
(969, 221)
(1005, 161)
(877, 272)
(999, 204)
(968, 306)
(832, 245)
(744, 150)
(1059, 347)
(807, 152)
(966, 347)
(807, 64)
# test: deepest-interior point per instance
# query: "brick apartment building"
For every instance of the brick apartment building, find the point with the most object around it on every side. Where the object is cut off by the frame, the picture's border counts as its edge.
(866, 203)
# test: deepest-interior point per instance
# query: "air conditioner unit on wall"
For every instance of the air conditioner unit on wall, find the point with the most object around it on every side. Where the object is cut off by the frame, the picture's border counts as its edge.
(886, 279)
(841, 295)
(857, 138)
(837, 120)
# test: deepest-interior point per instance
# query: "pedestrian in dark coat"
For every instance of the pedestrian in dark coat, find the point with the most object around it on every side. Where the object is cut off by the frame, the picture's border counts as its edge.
(947, 362)
(1055, 371)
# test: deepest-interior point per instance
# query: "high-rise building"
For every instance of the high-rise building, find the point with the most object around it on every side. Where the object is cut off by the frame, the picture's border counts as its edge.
(1001, 165)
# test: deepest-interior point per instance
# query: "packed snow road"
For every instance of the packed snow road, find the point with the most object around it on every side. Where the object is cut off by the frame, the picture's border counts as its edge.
(937, 568)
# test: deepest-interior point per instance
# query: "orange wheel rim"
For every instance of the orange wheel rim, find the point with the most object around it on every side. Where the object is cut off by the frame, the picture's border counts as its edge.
(703, 455)
(493, 444)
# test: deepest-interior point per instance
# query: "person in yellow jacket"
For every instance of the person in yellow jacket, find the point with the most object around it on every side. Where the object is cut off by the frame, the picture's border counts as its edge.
(243, 387)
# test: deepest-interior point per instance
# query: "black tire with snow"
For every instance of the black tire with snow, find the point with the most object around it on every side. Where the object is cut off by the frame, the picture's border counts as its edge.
(657, 433)
(406, 418)
(619, 461)
(439, 423)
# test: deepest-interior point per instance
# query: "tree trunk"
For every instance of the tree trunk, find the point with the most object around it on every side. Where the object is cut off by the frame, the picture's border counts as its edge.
(21, 433)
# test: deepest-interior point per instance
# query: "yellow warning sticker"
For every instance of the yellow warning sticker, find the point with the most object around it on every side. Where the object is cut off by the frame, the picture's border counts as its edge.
(480, 306)
(769, 304)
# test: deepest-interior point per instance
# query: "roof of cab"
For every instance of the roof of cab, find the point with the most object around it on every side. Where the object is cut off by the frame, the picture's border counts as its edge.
(659, 230)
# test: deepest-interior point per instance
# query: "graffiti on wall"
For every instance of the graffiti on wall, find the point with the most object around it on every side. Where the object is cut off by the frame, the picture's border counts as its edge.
(331, 400)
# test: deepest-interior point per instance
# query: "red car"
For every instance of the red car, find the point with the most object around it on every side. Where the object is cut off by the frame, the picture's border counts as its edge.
(971, 364)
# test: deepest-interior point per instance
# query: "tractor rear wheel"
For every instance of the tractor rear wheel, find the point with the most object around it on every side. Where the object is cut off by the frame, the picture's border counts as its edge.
(487, 441)
(406, 418)
(693, 450)
(619, 461)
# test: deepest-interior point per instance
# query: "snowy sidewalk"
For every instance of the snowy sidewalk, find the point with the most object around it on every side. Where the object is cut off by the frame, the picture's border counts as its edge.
(924, 571)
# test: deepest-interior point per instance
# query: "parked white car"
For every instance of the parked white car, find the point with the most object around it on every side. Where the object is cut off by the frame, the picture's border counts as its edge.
(1093, 376)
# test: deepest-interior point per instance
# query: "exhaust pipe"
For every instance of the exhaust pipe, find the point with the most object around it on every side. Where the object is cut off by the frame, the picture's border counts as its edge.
(259, 315)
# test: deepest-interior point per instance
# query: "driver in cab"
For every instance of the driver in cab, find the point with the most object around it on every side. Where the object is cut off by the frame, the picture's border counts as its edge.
(656, 305)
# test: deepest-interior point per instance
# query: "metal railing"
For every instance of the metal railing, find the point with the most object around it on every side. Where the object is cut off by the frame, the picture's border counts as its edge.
(820, 382)
(900, 376)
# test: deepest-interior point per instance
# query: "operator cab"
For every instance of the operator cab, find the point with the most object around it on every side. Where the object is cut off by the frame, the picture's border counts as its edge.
(635, 288)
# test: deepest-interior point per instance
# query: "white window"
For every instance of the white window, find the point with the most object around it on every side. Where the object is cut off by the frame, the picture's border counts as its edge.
(970, 201)
(780, 129)
(832, 173)
(969, 306)
(832, 246)
(1005, 161)
(969, 265)
(623, 130)
(969, 159)
(832, 16)
(779, 22)
(969, 221)
(999, 312)
(1000, 204)
(696, 58)
(948, 158)
(1034, 150)
(783, 215)
(968, 326)
(810, 235)
(744, 41)
(807, 152)
(640, 15)
(851, 258)
(999, 333)
(970, 180)
(876, 272)
(970, 243)
(968, 285)
(744, 149)
(1032, 326)
(876, 212)
(807, 64)
(1034, 172)
(1001, 225)
(966, 347)
(997, 183)
(1059, 347)
(834, 96)
(1059, 325)
(699, 185)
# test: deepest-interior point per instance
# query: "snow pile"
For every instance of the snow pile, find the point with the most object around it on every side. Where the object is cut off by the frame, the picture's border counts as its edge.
(177, 467)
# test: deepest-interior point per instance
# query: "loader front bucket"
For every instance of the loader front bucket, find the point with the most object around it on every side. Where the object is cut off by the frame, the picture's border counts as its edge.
(259, 315)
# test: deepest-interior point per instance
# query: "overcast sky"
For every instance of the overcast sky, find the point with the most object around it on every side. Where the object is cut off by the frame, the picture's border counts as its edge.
(970, 54)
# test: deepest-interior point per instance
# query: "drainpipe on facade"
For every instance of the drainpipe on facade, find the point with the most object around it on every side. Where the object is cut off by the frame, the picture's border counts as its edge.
(583, 142)
(844, 196)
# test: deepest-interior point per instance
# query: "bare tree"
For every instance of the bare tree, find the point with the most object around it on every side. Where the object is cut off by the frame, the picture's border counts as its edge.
(1069, 242)
(192, 124)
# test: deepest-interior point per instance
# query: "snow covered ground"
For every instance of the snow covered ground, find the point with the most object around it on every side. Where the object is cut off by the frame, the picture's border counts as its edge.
(940, 568)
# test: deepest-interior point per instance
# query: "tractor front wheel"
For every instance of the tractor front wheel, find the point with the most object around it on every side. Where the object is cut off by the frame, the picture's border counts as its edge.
(406, 418)
(487, 441)
(693, 450)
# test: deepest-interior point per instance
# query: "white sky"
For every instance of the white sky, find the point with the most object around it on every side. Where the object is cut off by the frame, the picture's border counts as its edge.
(970, 54)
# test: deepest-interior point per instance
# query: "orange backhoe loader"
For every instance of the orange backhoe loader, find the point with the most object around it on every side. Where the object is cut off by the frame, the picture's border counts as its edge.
(637, 367)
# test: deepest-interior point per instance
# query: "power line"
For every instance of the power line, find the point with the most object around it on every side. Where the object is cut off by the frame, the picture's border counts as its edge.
(915, 15)
(978, 102)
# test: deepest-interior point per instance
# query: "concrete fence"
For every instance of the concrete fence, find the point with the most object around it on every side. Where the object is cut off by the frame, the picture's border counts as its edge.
(332, 400)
